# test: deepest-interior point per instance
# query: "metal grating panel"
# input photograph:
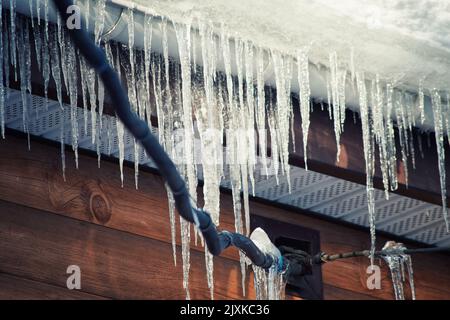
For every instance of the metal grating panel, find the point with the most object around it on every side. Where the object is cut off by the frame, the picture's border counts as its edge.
(310, 190)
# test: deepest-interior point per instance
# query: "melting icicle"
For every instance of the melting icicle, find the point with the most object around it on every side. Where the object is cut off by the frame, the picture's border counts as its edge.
(391, 151)
(99, 19)
(439, 133)
(366, 122)
(269, 285)
(283, 68)
(421, 102)
(13, 35)
(337, 87)
(261, 109)
(2, 88)
(171, 202)
(56, 64)
(84, 90)
(396, 261)
(46, 68)
(25, 73)
(120, 140)
(62, 144)
(380, 132)
(305, 92)
(184, 43)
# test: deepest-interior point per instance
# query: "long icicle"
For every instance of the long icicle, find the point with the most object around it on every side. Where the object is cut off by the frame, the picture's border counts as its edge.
(304, 94)
(439, 134)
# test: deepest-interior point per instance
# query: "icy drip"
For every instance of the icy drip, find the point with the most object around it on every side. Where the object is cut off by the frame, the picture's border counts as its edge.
(13, 35)
(24, 61)
(269, 285)
(73, 95)
(250, 95)
(232, 136)
(367, 129)
(165, 124)
(380, 132)
(101, 101)
(391, 151)
(283, 67)
(397, 263)
(261, 109)
(2, 90)
(148, 34)
(6, 48)
(84, 90)
(184, 48)
(99, 19)
(446, 114)
(131, 83)
(334, 86)
(37, 44)
(210, 127)
(439, 136)
(241, 117)
(402, 130)
(120, 141)
(305, 93)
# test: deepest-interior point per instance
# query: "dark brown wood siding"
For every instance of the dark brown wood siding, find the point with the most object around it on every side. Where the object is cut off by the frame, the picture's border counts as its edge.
(120, 237)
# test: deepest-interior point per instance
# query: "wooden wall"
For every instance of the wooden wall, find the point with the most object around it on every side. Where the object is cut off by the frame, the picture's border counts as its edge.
(120, 237)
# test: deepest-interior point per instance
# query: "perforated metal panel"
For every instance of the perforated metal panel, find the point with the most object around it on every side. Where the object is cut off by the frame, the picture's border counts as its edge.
(310, 190)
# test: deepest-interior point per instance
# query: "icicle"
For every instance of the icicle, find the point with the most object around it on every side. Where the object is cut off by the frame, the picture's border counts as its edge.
(2, 88)
(337, 86)
(396, 261)
(84, 90)
(439, 135)
(46, 8)
(250, 117)
(283, 68)
(46, 66)
(25, 73)
(402, 130)
(38, 45)
(366, 122)
(6, 48)
(62, 43)
(172, 223)
(120, 140)
(56, 64)
(99, 20)
(209, 122)
(269, 285)
(184, 47)
(391, 151)
(148, 34)
(61, 140)
(101, 100)
(185, 253)
(421, 102)
(234, 128)
(304, 94)
(381, 132)
(261, 109)
(73, 96)
(13, 35)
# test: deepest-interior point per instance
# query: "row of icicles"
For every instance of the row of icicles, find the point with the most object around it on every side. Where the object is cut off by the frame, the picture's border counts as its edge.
(202, 102)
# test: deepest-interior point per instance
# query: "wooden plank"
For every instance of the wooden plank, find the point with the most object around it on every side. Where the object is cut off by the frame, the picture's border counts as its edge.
(34, 179)
(16, 288)
(40, 246)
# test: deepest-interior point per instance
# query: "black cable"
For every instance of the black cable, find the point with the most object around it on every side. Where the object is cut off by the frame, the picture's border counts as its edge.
(215, 241)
